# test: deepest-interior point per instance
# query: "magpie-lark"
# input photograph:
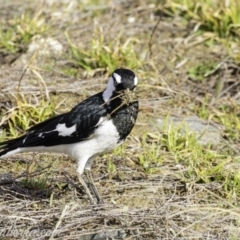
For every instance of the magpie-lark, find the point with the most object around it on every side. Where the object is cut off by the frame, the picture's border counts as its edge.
(95, 126)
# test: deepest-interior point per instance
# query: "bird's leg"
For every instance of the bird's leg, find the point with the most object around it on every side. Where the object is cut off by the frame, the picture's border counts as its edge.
(86, 189)
(93, 187)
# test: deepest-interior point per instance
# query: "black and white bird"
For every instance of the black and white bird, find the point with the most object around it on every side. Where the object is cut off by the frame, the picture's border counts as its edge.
(93, 127)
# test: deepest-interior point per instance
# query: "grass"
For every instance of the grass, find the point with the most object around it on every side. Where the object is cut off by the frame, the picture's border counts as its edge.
(26, 112)
(202, 70)
(201, 164)
(222, 18)
(19, 31)
(151, 158)
(226, 114)
(106, 56)
(39, 183)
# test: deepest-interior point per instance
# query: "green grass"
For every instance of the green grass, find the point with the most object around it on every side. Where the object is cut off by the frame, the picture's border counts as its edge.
(222, 18)
(151, 158)
(226, 114)
(18, 32)
(36, 183)
(70, 71)
(25, 113)
(105, 56)
(201, 71)
(198, 164)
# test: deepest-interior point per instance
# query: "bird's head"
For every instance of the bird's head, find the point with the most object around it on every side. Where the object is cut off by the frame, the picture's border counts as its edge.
(121, 79)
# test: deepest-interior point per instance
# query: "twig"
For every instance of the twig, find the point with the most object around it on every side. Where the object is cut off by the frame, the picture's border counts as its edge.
(40, 77)
(152, 34)
(34, 70)
(32, 59)
(59, 221)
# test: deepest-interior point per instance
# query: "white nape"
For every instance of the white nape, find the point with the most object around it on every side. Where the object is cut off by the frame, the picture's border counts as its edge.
(108, 92)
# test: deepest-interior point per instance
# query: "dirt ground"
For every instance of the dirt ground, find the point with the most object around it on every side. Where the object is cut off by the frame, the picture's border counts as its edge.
(138, 204)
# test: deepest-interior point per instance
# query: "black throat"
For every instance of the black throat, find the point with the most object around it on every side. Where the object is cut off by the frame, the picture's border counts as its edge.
(123, 114)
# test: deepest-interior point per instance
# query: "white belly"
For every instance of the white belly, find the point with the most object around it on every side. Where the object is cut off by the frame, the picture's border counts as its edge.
(104, 139)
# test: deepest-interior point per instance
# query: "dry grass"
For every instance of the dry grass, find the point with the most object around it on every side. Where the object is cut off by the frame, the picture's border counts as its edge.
(168, 210)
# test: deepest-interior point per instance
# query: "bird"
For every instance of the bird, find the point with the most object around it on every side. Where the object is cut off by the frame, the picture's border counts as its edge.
(95, 126)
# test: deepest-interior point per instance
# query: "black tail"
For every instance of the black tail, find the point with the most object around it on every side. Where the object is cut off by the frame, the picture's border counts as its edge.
(10, 145)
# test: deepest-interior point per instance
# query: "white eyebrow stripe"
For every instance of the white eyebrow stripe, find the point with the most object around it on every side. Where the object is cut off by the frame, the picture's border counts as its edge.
(135, 81)
(117, 77)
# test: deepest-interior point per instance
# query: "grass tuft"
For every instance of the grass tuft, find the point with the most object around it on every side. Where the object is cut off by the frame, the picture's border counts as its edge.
(219, 17)
(37, 183)
(20, 31)
(197, 164)
(200, 71)
(106, 56)
(25, 113)
(226, 114)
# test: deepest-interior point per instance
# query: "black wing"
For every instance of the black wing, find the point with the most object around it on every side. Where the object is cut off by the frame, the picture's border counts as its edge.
(85, 117)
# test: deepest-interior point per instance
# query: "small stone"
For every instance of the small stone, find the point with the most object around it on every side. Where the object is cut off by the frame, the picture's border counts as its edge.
(205, 132)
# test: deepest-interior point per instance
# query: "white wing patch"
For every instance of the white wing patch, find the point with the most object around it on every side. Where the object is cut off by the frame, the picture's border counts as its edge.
(39, 135)
(65, 131)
